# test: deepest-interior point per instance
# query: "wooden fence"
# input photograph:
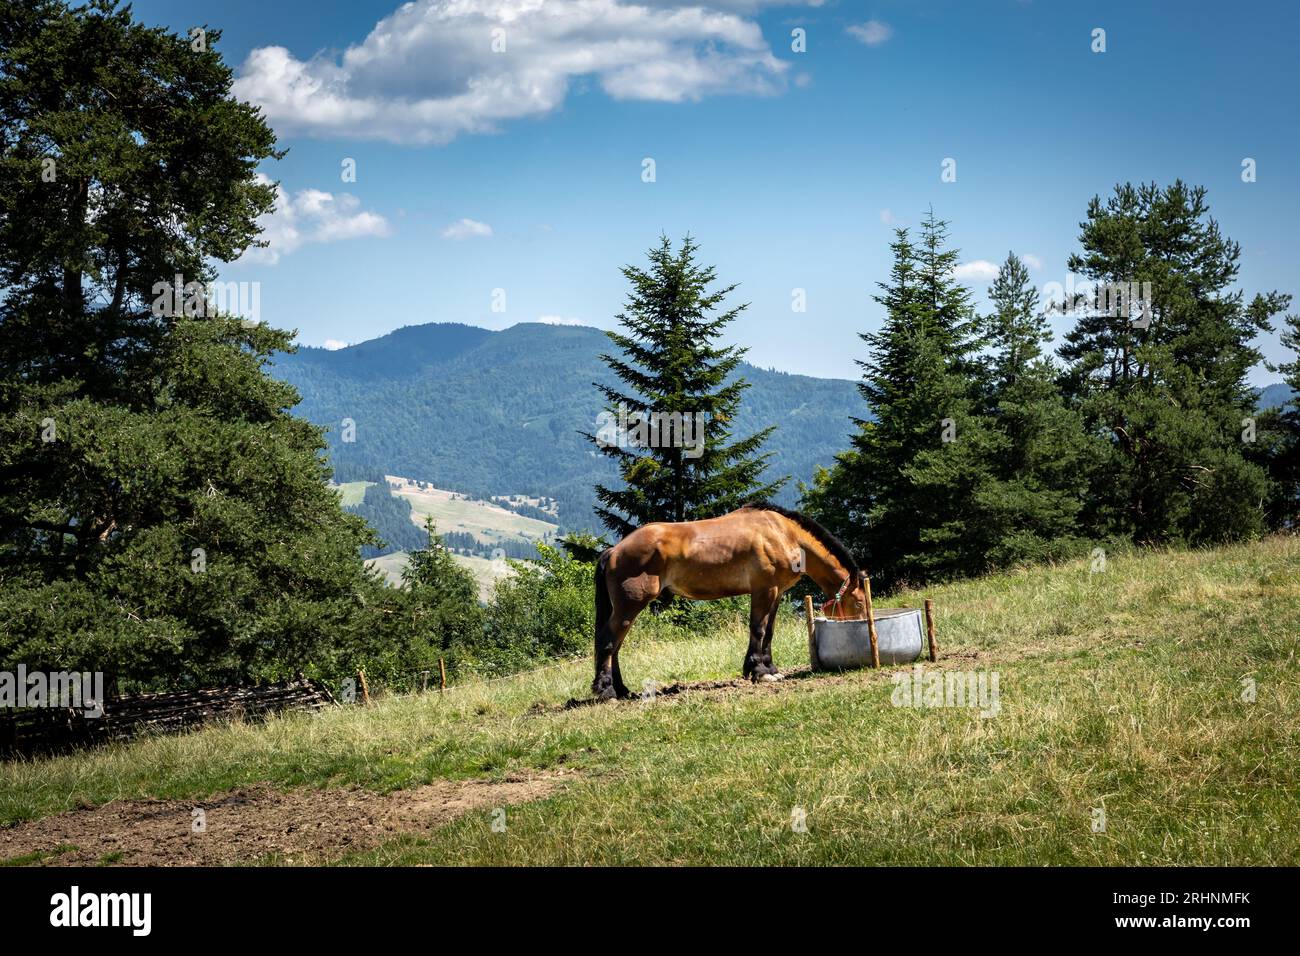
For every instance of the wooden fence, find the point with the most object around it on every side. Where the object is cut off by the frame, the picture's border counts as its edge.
(32, 731)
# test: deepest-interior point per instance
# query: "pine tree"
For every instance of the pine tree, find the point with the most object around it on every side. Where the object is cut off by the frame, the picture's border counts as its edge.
(1166, 378)
(163, 517)
(671, 365)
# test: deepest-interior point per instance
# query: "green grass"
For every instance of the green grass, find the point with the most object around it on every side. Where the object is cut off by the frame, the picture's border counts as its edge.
(391, 566)
(486, 572)
(1121, 689)
(352, 492)
(40, 856)
(488, 522)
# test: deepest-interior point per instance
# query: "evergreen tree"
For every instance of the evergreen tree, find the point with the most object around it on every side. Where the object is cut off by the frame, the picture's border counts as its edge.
(901, 496)
(434, 572)
(1280, 433)
(670, 365)
(1163, 376)
(1043, 457)
(390, 516)
(163, 517)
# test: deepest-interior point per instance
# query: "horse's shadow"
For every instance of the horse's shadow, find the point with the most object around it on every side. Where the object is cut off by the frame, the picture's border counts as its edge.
(677, 688)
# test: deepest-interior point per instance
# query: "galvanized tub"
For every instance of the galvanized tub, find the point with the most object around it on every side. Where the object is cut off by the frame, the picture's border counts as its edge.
(840, 645)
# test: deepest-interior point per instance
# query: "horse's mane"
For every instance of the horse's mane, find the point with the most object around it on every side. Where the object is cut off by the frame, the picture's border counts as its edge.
(828, 540)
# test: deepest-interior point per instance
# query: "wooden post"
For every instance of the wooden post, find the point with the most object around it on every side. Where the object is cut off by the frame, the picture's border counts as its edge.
(442, 669)
(871, 623)
(424, 681)
(365, 688)
(812, 633)
(929, 630)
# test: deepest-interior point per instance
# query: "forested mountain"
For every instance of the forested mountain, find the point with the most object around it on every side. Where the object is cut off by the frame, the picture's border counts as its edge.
(1274, 396)
(489, 413)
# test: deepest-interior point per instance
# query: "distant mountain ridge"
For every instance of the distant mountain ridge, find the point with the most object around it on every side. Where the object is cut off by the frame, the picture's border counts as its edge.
(499, 412)
(1275, 395)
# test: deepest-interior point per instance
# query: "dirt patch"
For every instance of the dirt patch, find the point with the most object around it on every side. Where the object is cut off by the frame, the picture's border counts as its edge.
(298, 826)
(801, 676)
(735, 685)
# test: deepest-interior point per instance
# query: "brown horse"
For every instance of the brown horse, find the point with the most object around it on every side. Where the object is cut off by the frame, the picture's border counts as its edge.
(760, 550)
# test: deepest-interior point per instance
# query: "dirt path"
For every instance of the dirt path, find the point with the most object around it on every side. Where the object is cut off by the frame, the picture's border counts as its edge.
(243, 826)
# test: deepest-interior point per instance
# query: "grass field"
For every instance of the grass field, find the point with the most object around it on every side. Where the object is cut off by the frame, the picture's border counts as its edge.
(486, 572)
(490, 523)
(352, 492)
(391, 566)
(1128, 690)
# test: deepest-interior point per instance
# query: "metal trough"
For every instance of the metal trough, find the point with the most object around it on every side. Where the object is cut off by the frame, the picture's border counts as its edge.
(840, 645)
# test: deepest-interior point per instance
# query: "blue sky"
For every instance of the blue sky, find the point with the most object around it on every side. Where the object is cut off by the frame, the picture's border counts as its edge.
(790, 168)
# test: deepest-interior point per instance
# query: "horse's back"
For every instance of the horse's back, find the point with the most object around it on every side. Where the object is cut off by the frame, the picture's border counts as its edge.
(702, 560)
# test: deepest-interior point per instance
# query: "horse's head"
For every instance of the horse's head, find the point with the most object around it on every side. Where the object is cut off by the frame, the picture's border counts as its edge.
(851, 605)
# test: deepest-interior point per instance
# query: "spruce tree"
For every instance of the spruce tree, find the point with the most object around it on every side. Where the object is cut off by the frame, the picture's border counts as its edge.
(1044, 456)
(670, 364)
(901, 496)
(953, 464)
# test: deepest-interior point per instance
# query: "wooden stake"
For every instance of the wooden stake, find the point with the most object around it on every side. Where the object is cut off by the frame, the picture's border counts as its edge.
(812, 632)
(424, 681)
(442, 669)
(365, 688)
(929, 630)
(871, 623)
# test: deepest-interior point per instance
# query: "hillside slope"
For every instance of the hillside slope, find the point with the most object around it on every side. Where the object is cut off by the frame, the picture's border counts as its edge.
(1163, 691)
(500, 412)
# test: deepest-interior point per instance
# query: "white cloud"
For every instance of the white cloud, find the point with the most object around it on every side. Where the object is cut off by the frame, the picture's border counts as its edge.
(978, 270)
(872, 33)
(311, 215)
(466, 229)
(334, 344)
(557, 320)
(888, 218)
(1033, 262)
(428, 73)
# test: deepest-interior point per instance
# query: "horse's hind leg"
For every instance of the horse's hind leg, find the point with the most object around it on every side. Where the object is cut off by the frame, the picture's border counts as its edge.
(762, 617)
(603, 686)
(620, 632)
(620, 689)
(609, 679)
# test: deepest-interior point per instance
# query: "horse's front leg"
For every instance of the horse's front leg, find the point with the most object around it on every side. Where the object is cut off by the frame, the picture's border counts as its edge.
(762, 616)
(767, 640)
